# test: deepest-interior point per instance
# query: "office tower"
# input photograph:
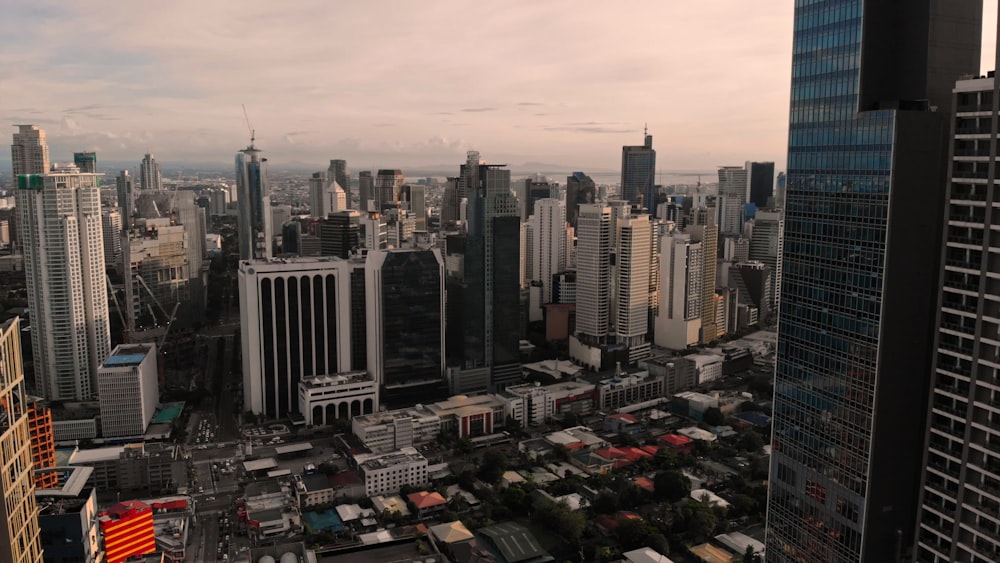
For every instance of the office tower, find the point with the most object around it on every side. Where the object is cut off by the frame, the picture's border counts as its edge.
(291, 234)
(405, 314)
(580, 190)
(29, 151)
(86, 162)
(678, 321)
(339, 234)
(530, 191)
(60, 230)
(254, 199)
(128, 530)
(749, 286)
(732, 198)
(125, 190)
(19, 533)
(43, 445)
(450, 203)
(418, 206)
(399, 224)
(149, 174)
(366, 190)
(339, 201)
(638, 185)
(339, 173)
(767, 243)
(779, 196)
(704, 230)
(373, 232)
(761, 178)
(127, 384)
(865, 176)
(549, 248)
(192, 217)
(593, 273)
(294, 326)
(631, 271)
(111, 230)
(317, 195)
(960, 497)
(387, 185)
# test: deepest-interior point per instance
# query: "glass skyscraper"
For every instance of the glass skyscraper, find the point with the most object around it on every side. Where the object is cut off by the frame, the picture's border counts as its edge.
(254, 201)
(870, 93)
(639, 174)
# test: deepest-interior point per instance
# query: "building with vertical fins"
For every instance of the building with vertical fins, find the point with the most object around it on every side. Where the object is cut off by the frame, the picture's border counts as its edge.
(150, 177)
(767, 243)
(704, 229)
(19, 533)
(871, 95)
(111, 232)
(128, 530)
(60, 229)
(638, 185)
(254, 204)
(960, 496)
(339, 173)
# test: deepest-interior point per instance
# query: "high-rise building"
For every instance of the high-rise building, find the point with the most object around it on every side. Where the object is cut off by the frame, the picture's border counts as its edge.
(111, 230)
(531, 190)
(871, 90)
(157, 271)
(580, 190)
(387, 185)
(732, 199)
(29, 151)
(761, 178)
(593, 273)
(780, 183)
(703, 229)
(418, 206)
(549, 248)
(19, 532)
(129, 392)
(317, 195)
(43, 445)
(150, 177)
(338, 172)
(86, 162)
(631, 271)
(60, 230)
(68, 518)
(366, 190)
(451, 203)
(339, 234)
(767, 242)
(678, 322)
(638, 185)
(295, 324)
(405, 302)
(125, 189)
(960, 497)
(374, 231)
(128, 530)
(254, 200)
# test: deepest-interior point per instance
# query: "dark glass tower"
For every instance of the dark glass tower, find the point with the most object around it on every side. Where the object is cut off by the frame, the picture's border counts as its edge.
(871, 85)
(254, 203)
(639, 174)
(340, 234)
(580, 190)
(761, 183)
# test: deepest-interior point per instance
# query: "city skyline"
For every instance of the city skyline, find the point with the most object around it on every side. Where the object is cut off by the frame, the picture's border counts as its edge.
(406, 98)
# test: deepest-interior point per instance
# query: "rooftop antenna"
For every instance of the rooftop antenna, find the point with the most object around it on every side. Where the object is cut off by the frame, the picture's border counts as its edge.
(249, 128)
(645, 129)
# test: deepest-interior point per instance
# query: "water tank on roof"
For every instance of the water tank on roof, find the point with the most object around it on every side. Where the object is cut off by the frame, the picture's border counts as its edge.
(289, 557)
(266, 559)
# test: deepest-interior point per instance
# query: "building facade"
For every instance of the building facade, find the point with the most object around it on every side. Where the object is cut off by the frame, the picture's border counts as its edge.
(128, 531)
(111, 229)
(324, 399)
(29, 151)
(733, 186)
(339, 172)
(678, 321)
(128, 384)
(387, 473)
(638, 185)
(761, 179)
(254, 201)
(150, 177)
(866, 170)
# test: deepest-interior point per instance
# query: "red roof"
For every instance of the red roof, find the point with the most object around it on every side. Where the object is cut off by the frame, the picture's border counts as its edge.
(645, 483)
(619, 463)
(611, 453)
(676, 439)
(634, 454)
(623, 416)
(424, 499)
(651, 449)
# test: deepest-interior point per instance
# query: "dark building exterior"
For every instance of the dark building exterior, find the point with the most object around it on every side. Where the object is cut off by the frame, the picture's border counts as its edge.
(866, 167)
(580, 189)
(291, 235)
(366, 190)
(388, 184)
(761, 183)
(86, 162)
(340, 234)
(339, 172)
(254, 200)
(406, 312)
(638, 185)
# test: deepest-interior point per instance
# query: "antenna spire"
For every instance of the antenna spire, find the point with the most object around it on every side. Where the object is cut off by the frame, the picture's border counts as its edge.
(249, 128)
(645, 127)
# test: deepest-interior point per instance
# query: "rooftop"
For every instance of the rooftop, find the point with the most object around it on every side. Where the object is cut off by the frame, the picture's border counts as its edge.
(338, 379)
(293, 448)
(451, 532)
(129, 355)
(96, 455)
(260, 464)
(645, 555)
(381, 461)
(425, 499)
(316, 482)
(514, 542)
(72, 481)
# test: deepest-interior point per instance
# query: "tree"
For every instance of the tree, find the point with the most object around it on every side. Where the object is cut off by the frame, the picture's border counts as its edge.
(560, 520)
(632, 533)
(493, 465)
(671, 486)
(606, 503)
(713, 417)
(751, 441)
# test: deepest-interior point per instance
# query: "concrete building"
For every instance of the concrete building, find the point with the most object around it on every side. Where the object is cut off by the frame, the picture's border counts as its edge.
(387, 473)
(339, 172)
(630, 387)
(157, 272)
(703, 229)
(638, 184)
(150, 177)
(127, 529)
(43, 447)
(733, 188)
(29, 151)
(67, 517)
(293, 314)
(60, 230)
(389, 431)
(387, 185)
(593, 276)
(111, 229)
(19, 532)
(630, 301)
(534, 404)
(678, 321)
(549, 249)
(324, 399)
(127, 383)
(767, 245)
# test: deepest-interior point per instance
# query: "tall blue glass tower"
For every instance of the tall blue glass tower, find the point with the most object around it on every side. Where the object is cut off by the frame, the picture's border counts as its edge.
(871, 90)
(639, 174)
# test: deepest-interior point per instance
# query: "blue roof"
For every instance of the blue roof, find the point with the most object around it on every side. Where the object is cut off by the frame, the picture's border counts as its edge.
(124, 360)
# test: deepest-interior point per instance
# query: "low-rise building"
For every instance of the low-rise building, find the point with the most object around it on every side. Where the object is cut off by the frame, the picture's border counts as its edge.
(326, 398)
(386, 473)
(692, 404)
(389, 431)
(629, 387)
(427, 502)
(313, 490)
(533, 404)
(470, 416)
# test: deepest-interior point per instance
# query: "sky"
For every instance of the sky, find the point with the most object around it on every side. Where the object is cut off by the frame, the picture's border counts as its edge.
(390, 83)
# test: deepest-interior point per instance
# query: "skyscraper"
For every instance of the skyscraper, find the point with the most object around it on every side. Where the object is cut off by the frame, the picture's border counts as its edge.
(761, 183)
(678, 322)
(60, 229)
(593, 273)
(111, 230)
(418, 205)
(125, 189)
(767, 245)
(865, 175)
(254, 200)
(317, 195)
(960, 495)
(86, 162)
(630, 304)
(580, 190)
(339, 234)
(703, 229)
(149, 173)
(338, 172)
(29, 152)
(366, 190)
(549, 238)
(387, 185)
(639, 174)
(20, 541)
(732, 199)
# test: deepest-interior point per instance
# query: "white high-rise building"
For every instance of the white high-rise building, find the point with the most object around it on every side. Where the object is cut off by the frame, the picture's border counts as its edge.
(111, 228)
(549, 250)
(767, 245)
(296, 323)
(733, 182)
(630, 302)
(128, 386)
(29, 152)
(149, 173)
(678, 322)
(593, 272)
(60, 230)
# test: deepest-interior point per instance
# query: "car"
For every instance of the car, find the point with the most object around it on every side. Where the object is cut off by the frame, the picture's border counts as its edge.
(213, 498)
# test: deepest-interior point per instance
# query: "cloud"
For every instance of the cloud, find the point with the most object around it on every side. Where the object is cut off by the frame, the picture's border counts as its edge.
(530, 104)
(478, 110)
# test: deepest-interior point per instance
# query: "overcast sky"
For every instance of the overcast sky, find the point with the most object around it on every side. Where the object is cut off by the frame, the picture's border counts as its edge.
(403, 83)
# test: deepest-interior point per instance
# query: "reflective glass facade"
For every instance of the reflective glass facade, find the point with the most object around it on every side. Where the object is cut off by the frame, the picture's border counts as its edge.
(865, 173)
